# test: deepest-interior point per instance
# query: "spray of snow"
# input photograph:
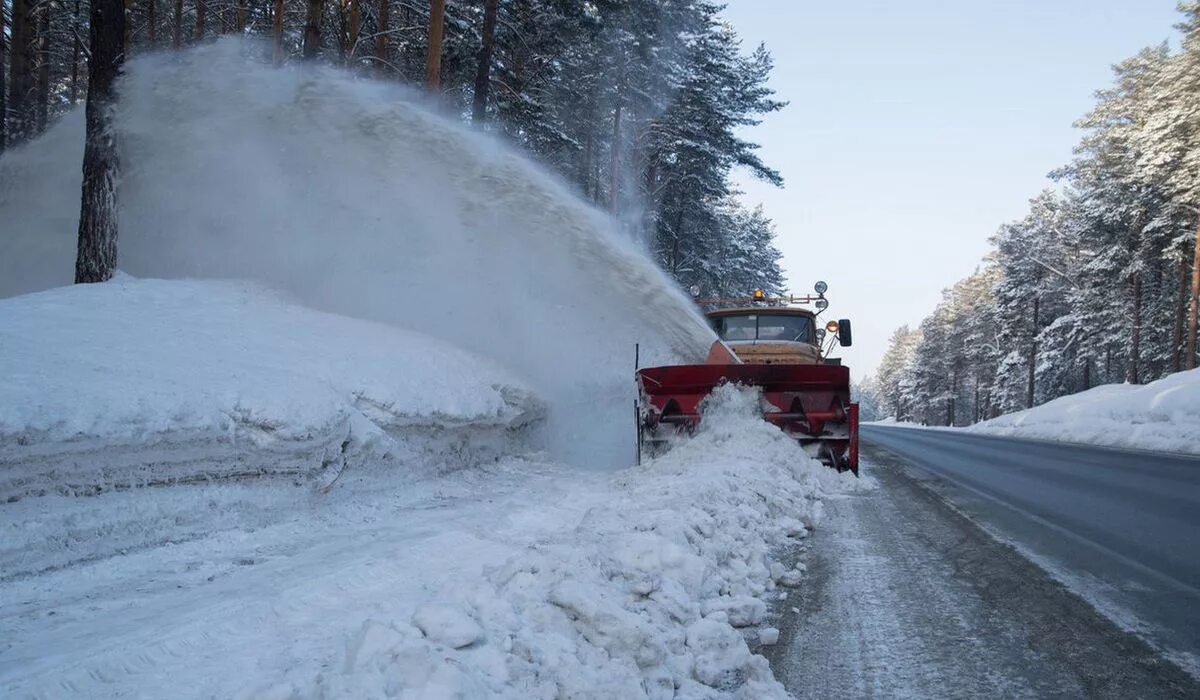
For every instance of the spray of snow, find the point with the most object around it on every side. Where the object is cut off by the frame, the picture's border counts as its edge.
(360, 200)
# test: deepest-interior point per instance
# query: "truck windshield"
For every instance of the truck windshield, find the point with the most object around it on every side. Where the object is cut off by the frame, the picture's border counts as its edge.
(764, 327)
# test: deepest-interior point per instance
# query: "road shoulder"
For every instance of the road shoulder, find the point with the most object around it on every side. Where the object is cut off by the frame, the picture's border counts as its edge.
(907, 596)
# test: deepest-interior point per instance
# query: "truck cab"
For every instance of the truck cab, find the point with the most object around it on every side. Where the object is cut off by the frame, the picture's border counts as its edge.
(769, 335)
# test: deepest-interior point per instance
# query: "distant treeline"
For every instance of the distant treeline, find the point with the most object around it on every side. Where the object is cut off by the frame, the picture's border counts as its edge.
(1097, 284)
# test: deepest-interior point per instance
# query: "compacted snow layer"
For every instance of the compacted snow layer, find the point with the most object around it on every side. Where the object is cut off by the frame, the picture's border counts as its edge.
(1162, 415)
(150, 381)
(517, 579)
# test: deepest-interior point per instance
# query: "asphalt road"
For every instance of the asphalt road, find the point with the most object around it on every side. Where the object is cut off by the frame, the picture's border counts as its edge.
(1121, 527)
(978, 567)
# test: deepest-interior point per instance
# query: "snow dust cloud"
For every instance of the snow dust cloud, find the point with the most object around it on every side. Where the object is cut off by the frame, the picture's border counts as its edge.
(357, 199)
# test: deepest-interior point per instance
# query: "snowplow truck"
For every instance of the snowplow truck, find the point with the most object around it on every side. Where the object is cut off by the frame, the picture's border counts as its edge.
(775, 344)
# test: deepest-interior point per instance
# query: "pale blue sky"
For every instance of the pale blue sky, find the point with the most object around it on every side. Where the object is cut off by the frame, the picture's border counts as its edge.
(917, 127)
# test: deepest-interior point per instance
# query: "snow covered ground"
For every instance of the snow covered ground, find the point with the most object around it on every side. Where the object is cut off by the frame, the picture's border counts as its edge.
(1162, 416)
(147, 381)
(211, 491)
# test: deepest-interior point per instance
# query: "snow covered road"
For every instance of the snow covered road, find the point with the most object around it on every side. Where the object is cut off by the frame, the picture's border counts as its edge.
(907, 597)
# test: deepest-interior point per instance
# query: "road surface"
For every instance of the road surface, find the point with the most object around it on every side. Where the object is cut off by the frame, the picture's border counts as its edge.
(924, 586)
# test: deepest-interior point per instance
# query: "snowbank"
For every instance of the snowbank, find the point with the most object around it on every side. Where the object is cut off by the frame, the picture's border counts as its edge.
(517, 579)
(644, 595)
(1162, 415)
(144, 381)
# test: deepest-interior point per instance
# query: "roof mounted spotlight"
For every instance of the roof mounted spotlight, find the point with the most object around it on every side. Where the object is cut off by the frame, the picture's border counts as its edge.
(821, 304)
(759, 295)
(695, 290)
(821, 287)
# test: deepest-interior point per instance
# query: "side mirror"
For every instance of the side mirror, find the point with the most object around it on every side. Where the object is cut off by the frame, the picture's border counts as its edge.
(844, 336)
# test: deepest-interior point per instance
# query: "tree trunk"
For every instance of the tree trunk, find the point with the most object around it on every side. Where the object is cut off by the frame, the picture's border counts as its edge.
(21, 83)
(3, 86)
(433, 55)
(613, 176)
(1087, 372)
(1195, 314)
(355, 19)
(201, 16)
(1033, 351)
(97, 253)
(1135, 341)
(381, 38)
(585, 166)
(483, 71)
(953, 398)
(312, 29)
(129, 25)
(177, 39)
(43, 63)
(151, 20)
(76, 50)
(277, 32)
(240, 17)
(1181, 309)
(677, 234)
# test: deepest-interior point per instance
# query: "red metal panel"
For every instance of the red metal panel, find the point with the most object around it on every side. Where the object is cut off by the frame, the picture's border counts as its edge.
(854, 438)
(773, 378)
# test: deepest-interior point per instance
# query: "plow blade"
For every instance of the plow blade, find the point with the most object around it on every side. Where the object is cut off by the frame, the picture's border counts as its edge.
(810, 403)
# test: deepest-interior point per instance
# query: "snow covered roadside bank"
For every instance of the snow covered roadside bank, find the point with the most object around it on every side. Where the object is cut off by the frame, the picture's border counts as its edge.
(644, 586)
(142, 382)
(513, 579)
(1163, 416)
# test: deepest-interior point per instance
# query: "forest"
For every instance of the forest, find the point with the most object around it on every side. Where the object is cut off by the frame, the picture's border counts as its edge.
(1097, 283)
(640, 104)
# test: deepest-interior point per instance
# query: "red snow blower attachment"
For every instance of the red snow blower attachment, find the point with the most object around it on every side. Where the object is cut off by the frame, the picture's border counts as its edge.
(768, 343)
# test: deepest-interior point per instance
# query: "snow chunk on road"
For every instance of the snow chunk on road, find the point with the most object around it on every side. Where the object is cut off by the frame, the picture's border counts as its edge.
(151, 380)
(741, 611)
(447, 624)
(722, 659)
(1163, 415)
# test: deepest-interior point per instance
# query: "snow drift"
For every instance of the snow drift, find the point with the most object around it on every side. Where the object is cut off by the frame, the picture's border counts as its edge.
(147, 381)
(356, 198)
(1162, 415)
